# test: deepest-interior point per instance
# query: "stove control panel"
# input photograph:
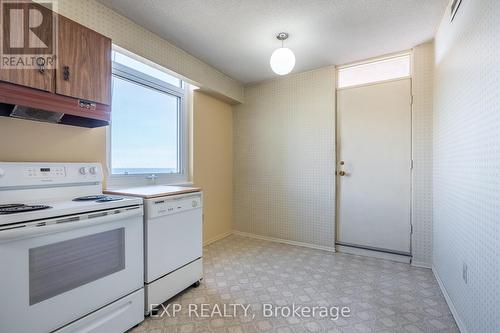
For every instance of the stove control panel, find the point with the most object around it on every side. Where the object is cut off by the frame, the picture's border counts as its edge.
(47, 172)
(32, 174)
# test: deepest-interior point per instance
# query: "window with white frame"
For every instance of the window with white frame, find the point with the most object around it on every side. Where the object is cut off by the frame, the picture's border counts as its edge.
(147, 141)
(389, 68)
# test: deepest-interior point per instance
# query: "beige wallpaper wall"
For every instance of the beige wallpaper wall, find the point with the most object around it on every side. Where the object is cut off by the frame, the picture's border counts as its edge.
(274, 136)
(467, 164)
(134, 38)
(284, 162)
(213, 163)
(422, 112)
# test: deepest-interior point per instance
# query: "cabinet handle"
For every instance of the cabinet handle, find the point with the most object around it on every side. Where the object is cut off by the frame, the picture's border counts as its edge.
(40, 62)
(66, 73)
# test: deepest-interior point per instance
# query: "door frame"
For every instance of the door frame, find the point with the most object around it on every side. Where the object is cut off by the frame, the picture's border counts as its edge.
(366, 250)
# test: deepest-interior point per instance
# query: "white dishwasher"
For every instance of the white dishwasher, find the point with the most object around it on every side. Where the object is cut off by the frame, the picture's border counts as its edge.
(173, 245)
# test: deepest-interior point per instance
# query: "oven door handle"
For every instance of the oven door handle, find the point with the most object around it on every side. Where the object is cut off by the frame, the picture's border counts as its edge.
(45, 227)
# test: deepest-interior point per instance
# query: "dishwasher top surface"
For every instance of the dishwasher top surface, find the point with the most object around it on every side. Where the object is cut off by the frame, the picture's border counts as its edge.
(154, 191)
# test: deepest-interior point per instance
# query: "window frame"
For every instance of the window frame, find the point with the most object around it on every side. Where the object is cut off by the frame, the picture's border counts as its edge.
(129, 180)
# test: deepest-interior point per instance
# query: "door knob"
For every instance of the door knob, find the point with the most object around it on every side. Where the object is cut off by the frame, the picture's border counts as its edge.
(341, 173)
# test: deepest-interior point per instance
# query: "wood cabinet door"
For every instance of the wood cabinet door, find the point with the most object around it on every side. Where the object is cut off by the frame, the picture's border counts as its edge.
(32, 78)
(84, 63)
(41, 77)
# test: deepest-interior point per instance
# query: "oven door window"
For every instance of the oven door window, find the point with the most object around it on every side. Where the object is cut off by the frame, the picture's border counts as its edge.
(59, 267)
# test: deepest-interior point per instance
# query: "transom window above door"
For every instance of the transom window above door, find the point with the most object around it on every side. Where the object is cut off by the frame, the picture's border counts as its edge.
(389, 68)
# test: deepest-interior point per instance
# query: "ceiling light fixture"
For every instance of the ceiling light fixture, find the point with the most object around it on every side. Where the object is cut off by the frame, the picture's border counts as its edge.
(282, 60)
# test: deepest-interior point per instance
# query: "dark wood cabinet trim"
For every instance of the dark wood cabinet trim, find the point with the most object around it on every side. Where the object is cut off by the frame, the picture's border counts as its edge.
(19, 95)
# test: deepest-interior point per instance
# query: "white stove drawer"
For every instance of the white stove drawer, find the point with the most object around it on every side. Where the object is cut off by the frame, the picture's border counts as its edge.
(114, 318)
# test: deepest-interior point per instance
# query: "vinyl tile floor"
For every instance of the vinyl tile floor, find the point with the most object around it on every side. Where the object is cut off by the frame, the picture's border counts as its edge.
(252, 285)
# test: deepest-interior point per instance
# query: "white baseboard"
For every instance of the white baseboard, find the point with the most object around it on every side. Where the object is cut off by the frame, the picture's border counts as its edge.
(373, 254)
(284, 241)
(421, 264)
(454, 312)
(216, 238)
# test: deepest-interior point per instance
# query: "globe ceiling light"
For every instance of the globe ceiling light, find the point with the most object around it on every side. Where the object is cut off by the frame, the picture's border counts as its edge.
(282, 60)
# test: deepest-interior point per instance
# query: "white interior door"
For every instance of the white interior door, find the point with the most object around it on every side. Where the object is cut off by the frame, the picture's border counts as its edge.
(374, 152)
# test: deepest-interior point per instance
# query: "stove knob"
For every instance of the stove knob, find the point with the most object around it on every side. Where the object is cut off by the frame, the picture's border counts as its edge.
(2, 172)
(92, 170)
(82, 171)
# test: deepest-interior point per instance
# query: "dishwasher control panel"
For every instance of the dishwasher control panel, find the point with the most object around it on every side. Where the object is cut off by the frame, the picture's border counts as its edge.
(172, 205)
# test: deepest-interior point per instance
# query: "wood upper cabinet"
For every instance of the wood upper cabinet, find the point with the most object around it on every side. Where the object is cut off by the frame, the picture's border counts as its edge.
(84, 63)
(41, 77)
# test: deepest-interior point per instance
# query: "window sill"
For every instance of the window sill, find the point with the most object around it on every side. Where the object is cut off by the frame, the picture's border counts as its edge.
(141, 180)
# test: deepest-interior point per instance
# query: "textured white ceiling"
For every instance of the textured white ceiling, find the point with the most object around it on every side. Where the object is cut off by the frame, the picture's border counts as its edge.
(238, 36)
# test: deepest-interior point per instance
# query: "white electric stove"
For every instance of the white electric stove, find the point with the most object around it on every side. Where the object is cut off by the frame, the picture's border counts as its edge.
(71, 257)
